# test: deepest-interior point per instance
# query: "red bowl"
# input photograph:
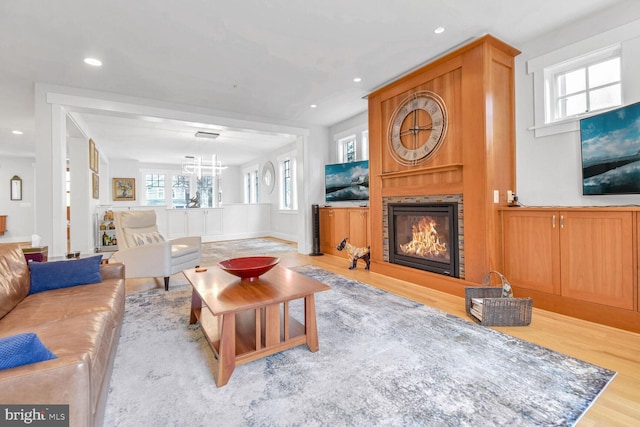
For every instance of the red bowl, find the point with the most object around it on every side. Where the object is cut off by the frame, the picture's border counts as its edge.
(250, 267)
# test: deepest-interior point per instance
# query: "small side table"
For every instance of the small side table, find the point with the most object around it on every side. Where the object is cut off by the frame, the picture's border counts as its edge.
(36, 253)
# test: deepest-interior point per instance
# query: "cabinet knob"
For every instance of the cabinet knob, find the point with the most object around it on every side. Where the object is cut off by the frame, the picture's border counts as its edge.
(553, 221)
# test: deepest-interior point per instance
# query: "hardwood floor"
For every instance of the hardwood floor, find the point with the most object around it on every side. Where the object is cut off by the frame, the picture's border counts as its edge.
(615, 349)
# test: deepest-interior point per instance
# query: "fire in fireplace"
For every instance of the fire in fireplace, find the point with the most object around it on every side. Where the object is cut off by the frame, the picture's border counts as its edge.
(424, 236)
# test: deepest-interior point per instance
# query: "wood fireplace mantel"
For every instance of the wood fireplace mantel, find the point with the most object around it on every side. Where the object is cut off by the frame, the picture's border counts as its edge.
(476, 158)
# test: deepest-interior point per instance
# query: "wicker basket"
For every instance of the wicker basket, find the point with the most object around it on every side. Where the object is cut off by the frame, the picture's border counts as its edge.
(498, 311)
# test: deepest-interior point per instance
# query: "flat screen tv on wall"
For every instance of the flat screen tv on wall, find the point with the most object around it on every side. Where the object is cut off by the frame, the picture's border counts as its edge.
(346, 181)
(611, 152)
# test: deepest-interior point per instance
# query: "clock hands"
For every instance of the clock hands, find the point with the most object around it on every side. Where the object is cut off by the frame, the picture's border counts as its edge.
(415, 130)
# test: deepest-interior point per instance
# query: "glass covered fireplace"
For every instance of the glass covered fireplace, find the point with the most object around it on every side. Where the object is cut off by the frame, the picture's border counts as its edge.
(424, 236)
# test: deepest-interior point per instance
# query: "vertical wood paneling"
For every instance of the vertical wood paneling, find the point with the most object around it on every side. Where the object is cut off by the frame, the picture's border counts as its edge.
(375, 180)
(500, 146)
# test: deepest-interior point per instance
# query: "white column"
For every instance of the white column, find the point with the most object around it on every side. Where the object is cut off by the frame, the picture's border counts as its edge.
(304, 205)
(50, 212)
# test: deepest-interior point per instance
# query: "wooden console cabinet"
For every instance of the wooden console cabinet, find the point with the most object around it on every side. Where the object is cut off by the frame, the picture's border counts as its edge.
(574, 260)
(338, 223)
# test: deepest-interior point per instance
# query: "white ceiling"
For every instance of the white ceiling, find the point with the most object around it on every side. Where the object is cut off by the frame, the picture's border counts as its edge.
(152, 140)
(269, 59)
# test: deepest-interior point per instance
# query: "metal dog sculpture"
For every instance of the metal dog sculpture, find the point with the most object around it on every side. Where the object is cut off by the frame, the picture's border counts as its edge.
(355, 253)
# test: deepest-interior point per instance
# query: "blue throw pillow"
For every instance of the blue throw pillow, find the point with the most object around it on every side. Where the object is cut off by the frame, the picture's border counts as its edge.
(22, 349)
(63, 274)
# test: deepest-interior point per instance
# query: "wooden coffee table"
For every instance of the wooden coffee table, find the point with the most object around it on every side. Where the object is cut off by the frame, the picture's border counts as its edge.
(245, 320)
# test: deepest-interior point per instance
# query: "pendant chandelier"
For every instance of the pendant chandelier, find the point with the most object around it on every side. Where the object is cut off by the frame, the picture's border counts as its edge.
(195, 165)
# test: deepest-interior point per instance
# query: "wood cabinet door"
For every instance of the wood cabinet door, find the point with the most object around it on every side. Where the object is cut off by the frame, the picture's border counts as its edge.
(597, 257)
(338, 223)
(334, 226)
(326, 230)
(359, 227)
(531, 250)
(340, 228)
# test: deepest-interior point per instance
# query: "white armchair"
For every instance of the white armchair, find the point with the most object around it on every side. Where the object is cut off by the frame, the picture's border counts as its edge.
(146, 253)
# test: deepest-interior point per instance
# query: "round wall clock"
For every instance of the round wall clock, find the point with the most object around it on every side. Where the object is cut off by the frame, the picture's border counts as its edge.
(417, 127)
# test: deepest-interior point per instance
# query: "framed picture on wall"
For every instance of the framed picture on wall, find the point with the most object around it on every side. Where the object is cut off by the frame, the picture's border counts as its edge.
(96, 160)
(124, 189)
(95, 185)
(92, 156)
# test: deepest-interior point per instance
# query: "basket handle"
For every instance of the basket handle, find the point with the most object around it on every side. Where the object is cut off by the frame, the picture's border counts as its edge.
(486, 281)
(506, 286)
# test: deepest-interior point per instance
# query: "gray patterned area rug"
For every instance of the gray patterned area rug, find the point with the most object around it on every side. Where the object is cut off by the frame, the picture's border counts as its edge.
(383, 360)
(214, 252)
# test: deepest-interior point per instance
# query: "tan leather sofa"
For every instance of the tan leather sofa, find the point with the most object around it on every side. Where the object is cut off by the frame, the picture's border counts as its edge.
(80, 325)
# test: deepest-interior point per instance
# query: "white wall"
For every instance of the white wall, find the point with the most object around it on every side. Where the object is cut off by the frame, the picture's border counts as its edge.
(355, 124)
(548, 169)
(319, 148)
(20, 213)
(232, 180)
(312, 154)
(283, 224)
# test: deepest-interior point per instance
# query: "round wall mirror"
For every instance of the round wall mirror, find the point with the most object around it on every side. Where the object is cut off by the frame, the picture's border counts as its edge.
(268, 176)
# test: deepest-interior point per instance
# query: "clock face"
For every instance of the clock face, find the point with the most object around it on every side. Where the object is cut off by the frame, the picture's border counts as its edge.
(417, 127)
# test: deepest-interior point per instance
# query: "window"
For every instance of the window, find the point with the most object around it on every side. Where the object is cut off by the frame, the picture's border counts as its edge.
(288, 196)
(252, 184)
(589, 83)
(154, 189)
(247, 187)
(256, 180)
(204, 191)
(352, 145)
(287, 184)
(180, 190)
(364, 142)
(347, 149)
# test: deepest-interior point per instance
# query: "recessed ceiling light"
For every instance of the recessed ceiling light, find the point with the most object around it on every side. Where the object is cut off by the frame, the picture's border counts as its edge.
(439, 30)
(211, 135)
(93, 61)
(357, 79)
(17, 132)
(313, 105)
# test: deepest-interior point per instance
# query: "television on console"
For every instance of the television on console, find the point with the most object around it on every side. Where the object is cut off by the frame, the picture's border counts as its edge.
(346, 181)
(611, 152)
